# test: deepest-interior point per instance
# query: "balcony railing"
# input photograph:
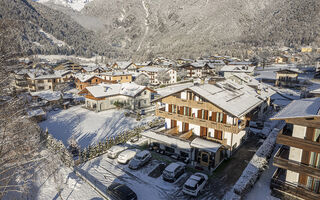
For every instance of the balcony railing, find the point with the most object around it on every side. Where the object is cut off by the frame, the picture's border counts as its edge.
(282, 160)
(298, 143)
(279, 183)
(202, 122)
(222, 141)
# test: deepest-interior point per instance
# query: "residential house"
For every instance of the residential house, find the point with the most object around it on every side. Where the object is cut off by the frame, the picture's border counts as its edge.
(230, 70)
(183, 61)
(68, 66)
(124, 66)
(281, 59)
(155, 75)
(93, 69)
(84, 80)
(143, 64)
(207, 123)
(46, 98)
(119, 77)
(298, 159)
(196, 69)
(306, 49)
(108, 96)
(287, 77)
(34, 80)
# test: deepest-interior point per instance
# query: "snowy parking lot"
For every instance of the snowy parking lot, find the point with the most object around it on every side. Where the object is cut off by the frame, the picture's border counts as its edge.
(103, 171)
(88, 127)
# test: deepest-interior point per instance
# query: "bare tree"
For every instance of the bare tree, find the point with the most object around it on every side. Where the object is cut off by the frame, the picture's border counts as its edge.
(142, 80)
(163, 76)
(182, 74)
(20, 139)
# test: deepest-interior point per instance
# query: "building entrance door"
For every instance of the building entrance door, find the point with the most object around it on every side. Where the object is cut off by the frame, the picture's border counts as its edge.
(204, 158)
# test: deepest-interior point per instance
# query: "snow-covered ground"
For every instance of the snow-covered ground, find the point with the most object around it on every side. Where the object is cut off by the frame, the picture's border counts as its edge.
(53, 39)
(72, 187)
(88, 127)
(74, 4)
(103, 171)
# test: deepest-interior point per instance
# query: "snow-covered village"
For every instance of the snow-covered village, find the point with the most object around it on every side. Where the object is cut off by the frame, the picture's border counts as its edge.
(169, 100)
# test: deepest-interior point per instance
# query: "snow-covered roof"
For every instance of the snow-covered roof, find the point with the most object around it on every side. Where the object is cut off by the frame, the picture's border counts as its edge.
(173, 89)
(123, 64)
(294, 70)
(205, 145)
(84, 77)
(300, 108)
(315, 91)
(240, 63)
(105, 90)
(47, 95)
(116, 73)
(144, 63)
(270, 75)
(153, 69)
(231, 97)
(167, 139)
(237, 68)
(36, 112)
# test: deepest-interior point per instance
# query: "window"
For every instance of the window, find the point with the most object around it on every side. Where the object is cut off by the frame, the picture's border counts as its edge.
(145, 101)
(145, 92)
(219, 117)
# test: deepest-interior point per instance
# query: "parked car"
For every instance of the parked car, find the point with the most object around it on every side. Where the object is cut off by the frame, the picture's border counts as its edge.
(195, 184)
(119, 191)
(140, 159)
(173, 171)
(115, 150)
(125, 156)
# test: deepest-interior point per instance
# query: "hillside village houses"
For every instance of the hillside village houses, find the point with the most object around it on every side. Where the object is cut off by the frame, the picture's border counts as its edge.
(34, 80)
(155, 75)
(229, 70)
(124, 66)
(118, 76)
(207, 123)
(84, 80)
(107, 96)
(298, 160)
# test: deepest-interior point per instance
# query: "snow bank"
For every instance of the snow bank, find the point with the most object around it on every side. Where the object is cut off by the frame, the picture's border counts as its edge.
(257, 164)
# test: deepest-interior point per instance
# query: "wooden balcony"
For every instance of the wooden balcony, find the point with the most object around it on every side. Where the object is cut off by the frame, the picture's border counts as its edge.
(298, 143)
(201, 122)
(191, 103)
(281, 160)
(282, 187)
(223, 141)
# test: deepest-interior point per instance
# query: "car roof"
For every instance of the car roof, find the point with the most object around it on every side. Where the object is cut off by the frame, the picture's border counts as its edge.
(191, 182)
(143, 153)
(120, 189)
(172, 166)
(117, 148)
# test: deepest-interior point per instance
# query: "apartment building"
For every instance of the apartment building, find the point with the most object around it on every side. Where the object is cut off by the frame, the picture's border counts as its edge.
(33, 80)
(298, 159)
(155, 75)
(207, 123)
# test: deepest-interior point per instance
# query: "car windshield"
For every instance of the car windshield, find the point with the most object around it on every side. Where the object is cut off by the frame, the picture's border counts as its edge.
(167, 173)
(190, 187)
